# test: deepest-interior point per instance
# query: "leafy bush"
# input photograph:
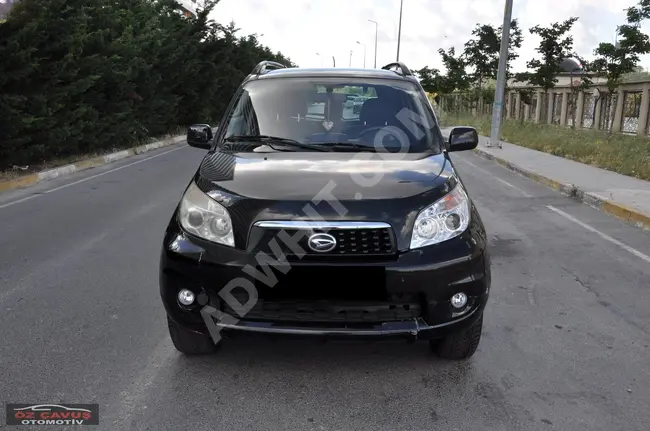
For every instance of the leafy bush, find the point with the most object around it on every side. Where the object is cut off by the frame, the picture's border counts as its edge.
(81, 76)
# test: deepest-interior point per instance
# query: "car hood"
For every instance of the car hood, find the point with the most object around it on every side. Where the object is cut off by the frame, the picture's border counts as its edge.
(389, 188)
(302, 176)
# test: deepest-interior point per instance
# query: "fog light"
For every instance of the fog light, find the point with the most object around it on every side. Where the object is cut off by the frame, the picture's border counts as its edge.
(186, 297)
(459, 300)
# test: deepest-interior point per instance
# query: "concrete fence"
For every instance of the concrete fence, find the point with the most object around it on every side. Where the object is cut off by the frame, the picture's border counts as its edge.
(625, 111)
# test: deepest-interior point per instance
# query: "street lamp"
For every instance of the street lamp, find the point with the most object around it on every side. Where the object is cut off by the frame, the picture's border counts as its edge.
(364, 52)
(399, 32)
(350, 65)
(376, 29)
(321, 59)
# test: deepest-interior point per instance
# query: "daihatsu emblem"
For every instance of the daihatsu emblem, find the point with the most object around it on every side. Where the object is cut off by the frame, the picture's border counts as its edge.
(321, 242)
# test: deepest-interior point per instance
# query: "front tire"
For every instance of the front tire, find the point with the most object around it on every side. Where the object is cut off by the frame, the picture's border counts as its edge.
(190, 343)
(459, 345)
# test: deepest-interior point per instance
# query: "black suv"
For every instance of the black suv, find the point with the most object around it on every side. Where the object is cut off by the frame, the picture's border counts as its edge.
(304, 219)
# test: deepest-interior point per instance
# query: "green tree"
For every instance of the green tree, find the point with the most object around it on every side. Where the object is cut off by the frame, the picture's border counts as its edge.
(555, 45)
(80, 76)
(481, 53)
(456, 77)
(514, 43)
(431, 80)
(614, 61)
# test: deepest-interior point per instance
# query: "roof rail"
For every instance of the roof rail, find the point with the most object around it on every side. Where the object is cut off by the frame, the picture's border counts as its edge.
(403, 70)
(263, 66)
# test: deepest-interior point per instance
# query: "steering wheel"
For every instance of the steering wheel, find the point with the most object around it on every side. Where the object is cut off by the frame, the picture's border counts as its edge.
(370, 129)
(376, 129)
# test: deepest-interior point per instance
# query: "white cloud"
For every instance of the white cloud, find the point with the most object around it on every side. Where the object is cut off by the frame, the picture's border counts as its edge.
(302, 28)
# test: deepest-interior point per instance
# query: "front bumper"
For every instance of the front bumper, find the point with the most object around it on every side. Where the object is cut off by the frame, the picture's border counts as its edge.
(413, 329)
(433, 274)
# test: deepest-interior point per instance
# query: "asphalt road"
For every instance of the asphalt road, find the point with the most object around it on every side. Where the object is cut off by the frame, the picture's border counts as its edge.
(565, 344)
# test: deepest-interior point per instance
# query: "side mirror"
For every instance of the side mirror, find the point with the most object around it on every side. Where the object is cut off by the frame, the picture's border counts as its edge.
(199, 136)
(463, 138)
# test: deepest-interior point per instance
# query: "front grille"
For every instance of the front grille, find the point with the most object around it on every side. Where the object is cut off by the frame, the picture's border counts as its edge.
(349, 242)
(362, 241)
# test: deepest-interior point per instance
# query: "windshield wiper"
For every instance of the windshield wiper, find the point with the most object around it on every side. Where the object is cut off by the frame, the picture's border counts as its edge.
(347, 146)
(270, 140)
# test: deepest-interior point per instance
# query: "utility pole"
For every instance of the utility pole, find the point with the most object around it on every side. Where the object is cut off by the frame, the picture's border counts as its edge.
(399, 32)
(376, 30)
(495, 135)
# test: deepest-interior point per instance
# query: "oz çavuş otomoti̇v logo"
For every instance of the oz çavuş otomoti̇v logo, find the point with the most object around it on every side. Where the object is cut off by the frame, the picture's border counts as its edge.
(52, 414)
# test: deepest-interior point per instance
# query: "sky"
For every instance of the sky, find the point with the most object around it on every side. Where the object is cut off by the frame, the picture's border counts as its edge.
(310, 32)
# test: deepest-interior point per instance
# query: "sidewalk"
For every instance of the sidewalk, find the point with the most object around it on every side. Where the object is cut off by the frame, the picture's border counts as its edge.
(625, 197)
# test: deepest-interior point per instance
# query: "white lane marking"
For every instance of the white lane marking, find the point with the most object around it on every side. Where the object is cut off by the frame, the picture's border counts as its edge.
(91, 177)
(133, 399)
(526, 194)
(19, 201)
(604, 236)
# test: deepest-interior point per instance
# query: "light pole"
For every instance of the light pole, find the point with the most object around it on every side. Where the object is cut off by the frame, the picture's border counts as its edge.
(399, 32)
(333, 61)
(364, 53)
(495, 135)
(321, 59)
(350, 65)
(376, 29)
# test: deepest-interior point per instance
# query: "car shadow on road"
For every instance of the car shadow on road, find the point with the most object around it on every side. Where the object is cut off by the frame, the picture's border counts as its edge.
(286, 355)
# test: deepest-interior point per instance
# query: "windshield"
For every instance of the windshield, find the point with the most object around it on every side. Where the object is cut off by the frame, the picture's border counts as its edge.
(385, 116)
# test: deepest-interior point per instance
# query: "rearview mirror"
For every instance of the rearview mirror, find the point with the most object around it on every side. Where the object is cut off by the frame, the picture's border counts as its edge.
(463, 138)
(199, 136)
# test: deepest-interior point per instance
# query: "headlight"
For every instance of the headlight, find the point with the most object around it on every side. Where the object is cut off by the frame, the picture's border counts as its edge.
(202, 216)
(445, 219)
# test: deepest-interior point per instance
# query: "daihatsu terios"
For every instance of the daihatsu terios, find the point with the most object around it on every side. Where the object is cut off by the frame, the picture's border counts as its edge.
(306, 218)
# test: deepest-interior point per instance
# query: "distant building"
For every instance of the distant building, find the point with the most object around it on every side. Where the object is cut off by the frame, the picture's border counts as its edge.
(190, 7)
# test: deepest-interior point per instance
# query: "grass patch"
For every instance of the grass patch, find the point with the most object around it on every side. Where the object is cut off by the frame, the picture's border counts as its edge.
(625, 154)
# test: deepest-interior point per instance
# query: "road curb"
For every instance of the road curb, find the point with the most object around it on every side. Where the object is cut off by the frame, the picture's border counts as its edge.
(629, 215)
(82, 165)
